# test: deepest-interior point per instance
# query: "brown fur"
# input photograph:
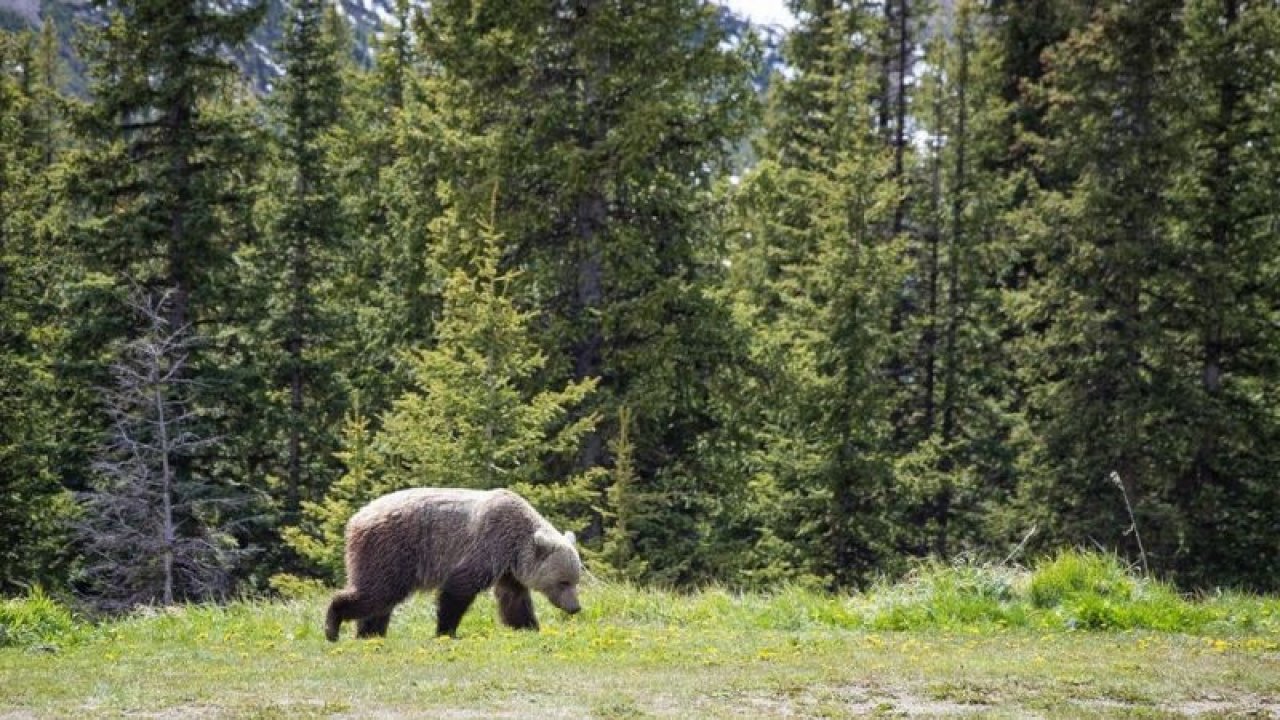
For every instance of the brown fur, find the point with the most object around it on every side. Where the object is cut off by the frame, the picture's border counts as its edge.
(459, 542)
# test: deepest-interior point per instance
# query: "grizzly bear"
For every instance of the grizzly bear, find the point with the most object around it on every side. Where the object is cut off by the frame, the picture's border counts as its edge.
(460, 542)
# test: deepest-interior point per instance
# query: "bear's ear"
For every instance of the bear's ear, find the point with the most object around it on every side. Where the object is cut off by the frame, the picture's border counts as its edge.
(543, 543)
(570, 538)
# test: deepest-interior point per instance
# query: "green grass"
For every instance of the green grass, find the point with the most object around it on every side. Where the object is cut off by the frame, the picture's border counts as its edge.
(1077, 637)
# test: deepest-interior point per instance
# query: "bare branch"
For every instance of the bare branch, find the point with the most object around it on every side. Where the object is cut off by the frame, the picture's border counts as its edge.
(146, 531)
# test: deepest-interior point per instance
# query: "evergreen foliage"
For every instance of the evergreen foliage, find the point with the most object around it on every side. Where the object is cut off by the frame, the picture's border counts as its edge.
(821, 271)
(319, 536)
(34, 507)
(158, 194)
(623, 503)
(1219, 296)
(1129, 316)
(469, 418)
(971, 263)
(296, 261)
(957, 464)
(607, 190)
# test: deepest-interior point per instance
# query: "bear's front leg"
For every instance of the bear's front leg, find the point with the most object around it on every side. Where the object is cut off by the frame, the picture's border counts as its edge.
(515, 606)
(450, 607)
(457, 594)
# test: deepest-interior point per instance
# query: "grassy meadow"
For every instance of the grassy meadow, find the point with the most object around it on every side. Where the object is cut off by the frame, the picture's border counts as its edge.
(1077, 636)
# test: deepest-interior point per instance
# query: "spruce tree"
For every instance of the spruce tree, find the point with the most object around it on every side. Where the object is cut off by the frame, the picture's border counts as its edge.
(159, 186)
(319, 536)
(297, 260)
(158, 155)
(1218, 298)
(469, 418)
(1093, 311)
(957, 467)
(608, 123)
(819, 273)
(388, 149)
(34, 508)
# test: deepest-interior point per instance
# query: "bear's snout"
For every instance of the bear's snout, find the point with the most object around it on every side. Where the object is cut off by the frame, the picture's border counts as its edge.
(566, 601)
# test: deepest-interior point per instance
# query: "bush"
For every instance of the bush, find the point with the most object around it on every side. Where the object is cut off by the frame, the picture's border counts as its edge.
(293, 587)
(37, 620)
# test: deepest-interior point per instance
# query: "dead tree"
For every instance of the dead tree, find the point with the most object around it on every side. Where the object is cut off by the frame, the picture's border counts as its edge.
(148, 535)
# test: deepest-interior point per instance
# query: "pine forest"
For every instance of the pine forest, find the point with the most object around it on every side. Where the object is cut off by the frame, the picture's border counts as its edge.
(928, 280)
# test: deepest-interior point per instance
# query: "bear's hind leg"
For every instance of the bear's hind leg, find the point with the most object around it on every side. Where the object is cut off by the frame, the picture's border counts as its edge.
(351, 604)
(374, 626)
(515, 605)
(339, 611)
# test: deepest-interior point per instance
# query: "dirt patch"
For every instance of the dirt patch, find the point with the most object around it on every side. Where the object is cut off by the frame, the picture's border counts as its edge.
(904, 705)
(1243, 706)
(854, 701)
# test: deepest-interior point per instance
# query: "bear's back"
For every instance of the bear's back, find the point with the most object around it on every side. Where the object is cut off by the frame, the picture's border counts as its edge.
(431, 529)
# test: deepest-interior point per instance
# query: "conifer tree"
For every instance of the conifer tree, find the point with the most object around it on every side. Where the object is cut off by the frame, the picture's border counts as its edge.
(159, 184)
(34, 508)
(149, 535)
(319, 536)
(897, 51)
(608, 123)
(957, 467)
(820, 275)
(1219, 337)
(1092, 313)
(469, 418)
(1024, 30)
(388, 149)
(624, 505)
(159, 155)
(298, 258)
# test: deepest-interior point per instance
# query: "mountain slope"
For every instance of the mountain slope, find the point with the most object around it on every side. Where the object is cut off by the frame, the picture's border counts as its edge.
(261, 60)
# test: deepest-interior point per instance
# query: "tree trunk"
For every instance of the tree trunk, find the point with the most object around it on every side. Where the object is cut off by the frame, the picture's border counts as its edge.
(168, 535)
(1220, 232)
(179, 127)
(956, 239)
(587, 359)
(930, 339)
(903, 60)
(299, 277)
(590, 222)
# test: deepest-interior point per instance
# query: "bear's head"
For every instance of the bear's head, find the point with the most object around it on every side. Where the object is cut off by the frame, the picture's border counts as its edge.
(556, 569)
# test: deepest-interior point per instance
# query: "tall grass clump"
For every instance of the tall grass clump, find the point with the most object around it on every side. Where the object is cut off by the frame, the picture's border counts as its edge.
(795, 608)
(1097, 591)
(1072, 574)
(37, 620)
(948, 596)
(1071, 590)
